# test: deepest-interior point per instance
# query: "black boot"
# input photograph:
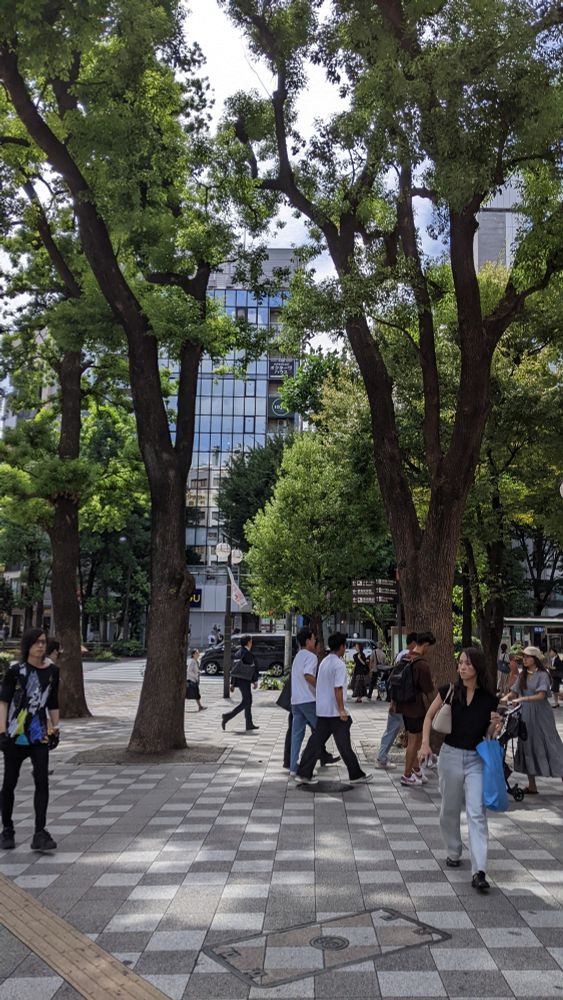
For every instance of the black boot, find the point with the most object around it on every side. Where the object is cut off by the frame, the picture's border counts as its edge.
(43, 841)
(479, 882)
(7, 840)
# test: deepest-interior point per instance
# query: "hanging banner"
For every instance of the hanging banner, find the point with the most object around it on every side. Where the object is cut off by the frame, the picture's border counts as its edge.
(236, 593)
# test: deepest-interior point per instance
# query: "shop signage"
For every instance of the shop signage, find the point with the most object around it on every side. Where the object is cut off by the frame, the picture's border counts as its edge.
(279, 368)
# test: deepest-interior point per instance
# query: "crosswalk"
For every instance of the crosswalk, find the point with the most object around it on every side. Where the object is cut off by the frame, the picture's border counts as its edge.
(130, 671)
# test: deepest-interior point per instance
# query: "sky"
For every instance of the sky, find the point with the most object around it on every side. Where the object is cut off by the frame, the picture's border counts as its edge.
(230, 67)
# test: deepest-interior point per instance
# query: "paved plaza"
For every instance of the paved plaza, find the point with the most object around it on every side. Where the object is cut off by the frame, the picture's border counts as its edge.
(226, 880)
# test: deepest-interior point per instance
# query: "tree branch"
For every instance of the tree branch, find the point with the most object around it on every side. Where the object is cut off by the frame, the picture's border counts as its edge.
(427, 351)
(57, 259)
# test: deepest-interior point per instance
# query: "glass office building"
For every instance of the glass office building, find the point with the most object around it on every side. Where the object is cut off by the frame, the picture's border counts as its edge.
(234, 415)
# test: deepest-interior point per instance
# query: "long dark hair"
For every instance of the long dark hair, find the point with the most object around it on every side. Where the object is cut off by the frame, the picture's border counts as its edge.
(477, 660)
(29, 638)
(523, 679)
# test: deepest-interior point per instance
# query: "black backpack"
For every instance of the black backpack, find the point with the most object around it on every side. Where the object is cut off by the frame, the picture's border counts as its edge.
(401, 683)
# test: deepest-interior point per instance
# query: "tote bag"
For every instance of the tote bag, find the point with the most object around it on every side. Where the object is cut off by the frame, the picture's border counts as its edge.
(495, 795)
(442, 721)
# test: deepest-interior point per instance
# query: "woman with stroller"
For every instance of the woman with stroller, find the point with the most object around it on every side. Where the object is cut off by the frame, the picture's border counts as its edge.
(460, 768)
(360, 674)
(542, 753)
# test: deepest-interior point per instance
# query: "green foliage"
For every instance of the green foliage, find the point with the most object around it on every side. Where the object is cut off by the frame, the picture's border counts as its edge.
(270, 683)
(130, 648)
(101, 655)
(248, 484)
(318, 531)
(6, 597)
(303, 393)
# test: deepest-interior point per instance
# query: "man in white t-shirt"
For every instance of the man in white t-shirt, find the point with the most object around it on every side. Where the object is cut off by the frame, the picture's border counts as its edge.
(332, 717)
(303, 710)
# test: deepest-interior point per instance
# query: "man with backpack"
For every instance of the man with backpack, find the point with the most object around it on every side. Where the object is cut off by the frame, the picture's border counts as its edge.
(411, 691)
(394, 719)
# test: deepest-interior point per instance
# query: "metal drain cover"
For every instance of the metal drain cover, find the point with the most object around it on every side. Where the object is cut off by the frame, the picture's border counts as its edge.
(268, 960)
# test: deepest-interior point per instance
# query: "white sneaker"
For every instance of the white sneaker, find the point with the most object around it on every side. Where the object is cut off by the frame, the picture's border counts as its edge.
(412, 781)
(384, 766)
(306, 781)
(363, 780)
(292, 774)
(422, 775)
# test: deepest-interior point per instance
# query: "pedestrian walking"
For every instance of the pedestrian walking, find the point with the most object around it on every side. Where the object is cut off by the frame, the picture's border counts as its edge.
(303, 698)
(29, 727)
(411, 689)
(244, 675)
(53, 651)
(192, 680)
(541, 754)
(556, 671)
(377, 660)
(503, 669)
(394, 718)
(460, 768)
(360, 674)
(332, 717)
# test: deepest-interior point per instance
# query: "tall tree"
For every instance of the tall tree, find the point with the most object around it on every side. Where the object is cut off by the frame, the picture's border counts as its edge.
(111, 99)
(439, 108)
(247, 486)
(314, 534)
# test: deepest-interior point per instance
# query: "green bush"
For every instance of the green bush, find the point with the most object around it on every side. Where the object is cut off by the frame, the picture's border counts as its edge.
(5, 660)
(103, 655)
(271, 683)
(132, 647)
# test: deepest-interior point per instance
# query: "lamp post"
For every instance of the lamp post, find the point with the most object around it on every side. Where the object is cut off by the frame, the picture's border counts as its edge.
(125, 626)
(231, 557)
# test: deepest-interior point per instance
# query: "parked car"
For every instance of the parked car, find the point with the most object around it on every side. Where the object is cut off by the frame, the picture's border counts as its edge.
(267, 650)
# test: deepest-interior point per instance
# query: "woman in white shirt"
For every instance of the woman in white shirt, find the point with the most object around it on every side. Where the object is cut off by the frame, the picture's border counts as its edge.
(192, 679)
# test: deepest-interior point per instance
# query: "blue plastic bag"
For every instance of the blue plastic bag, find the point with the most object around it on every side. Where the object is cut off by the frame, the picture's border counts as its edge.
(495, 795)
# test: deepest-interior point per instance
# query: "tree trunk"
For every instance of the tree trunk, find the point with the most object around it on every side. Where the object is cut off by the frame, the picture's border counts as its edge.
(467, 608)
(65, 546)
(491, 625)
(159, 723)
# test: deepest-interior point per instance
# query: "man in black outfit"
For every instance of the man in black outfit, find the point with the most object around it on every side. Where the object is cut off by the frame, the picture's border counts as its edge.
(244, 675)
(29, 719)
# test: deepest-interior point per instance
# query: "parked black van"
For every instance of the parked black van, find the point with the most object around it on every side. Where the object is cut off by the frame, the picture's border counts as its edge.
(267, 650)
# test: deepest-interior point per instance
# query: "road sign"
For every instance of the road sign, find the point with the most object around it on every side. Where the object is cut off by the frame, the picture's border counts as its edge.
(363, 592)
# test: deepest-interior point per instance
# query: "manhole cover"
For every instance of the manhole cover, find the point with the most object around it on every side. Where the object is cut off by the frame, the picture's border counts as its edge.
(266, 960)
(326, 786)
(329, 943)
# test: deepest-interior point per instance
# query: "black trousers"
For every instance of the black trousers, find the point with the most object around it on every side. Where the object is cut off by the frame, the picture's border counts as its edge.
(327, 727)
(245, 688)
(14, 756)
(324, 755)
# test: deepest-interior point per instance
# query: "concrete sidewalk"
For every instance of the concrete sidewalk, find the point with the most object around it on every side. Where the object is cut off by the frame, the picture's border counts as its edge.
(156, 863)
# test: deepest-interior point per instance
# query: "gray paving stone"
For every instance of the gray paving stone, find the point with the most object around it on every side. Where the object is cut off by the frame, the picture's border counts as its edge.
(486, 984)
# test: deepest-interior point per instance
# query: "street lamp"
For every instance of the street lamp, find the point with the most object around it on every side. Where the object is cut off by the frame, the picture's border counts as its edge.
(231, 557)
(125, 625)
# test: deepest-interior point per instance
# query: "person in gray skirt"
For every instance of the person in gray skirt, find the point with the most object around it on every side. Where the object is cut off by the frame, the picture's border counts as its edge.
(542, 753)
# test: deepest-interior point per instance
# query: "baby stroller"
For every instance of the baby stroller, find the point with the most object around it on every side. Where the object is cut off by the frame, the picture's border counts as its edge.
(513, 728)
(382, 681)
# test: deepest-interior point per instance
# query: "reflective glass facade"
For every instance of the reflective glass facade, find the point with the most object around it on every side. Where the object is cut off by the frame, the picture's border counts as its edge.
(233, 415)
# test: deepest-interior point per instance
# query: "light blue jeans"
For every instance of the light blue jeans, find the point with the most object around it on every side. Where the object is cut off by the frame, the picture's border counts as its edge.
(394, 726)
(461, 778)
(303, 715)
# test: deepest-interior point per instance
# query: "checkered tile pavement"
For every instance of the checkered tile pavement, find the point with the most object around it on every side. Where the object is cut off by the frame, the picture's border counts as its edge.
(155, 863)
